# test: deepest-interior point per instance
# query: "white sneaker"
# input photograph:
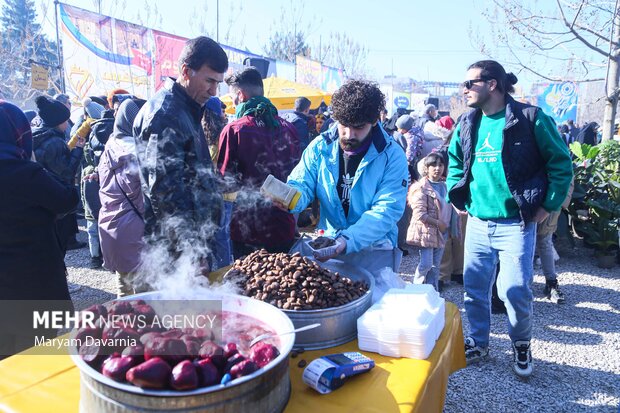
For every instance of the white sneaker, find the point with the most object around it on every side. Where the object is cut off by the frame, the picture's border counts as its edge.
(522, 359)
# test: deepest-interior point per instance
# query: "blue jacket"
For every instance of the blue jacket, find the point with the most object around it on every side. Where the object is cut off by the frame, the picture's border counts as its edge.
(378, 194)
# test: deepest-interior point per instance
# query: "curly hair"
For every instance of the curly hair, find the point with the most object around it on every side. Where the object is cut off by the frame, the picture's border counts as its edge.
(357, 102)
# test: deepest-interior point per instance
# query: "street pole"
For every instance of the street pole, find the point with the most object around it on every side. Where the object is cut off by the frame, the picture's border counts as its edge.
(60, 71)
(217, 21)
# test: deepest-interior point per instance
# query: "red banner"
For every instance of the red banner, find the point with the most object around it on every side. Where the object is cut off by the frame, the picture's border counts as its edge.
(167, 51)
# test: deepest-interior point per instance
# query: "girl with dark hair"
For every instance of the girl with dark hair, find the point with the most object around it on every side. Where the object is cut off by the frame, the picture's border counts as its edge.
(430, 219)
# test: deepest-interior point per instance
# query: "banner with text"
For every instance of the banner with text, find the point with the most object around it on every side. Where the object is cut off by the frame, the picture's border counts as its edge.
(101, 53)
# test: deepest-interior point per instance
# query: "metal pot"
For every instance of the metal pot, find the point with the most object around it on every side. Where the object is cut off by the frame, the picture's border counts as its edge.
(266, 390)
(338, 324)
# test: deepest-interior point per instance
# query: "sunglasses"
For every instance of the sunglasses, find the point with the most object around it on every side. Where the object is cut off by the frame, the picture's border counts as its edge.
(468, 84)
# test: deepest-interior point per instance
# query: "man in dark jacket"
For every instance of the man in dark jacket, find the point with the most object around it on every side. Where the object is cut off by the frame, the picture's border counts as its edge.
(299, 119)
(257, 144)
(509, 168)
(182, 200)
(51, 151)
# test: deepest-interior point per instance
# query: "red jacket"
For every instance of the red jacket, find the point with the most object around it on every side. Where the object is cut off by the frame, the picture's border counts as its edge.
(249, 152)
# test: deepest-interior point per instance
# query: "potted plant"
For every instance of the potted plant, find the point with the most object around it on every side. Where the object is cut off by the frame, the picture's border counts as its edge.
(595, 207)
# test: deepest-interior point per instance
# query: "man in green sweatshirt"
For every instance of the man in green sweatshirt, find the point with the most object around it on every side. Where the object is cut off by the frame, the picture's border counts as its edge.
(508, 168)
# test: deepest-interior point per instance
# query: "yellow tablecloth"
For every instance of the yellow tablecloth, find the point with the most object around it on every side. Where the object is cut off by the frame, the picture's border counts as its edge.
(41, 384)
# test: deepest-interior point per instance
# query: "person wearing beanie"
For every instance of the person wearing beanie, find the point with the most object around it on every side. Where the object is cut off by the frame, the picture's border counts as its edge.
(404, 122)
(92, 112)
(65, 100)
(53, 154)
(31, 199)
(114, 92)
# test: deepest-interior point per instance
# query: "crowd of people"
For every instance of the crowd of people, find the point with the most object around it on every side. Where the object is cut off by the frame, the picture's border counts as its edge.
(477, 197)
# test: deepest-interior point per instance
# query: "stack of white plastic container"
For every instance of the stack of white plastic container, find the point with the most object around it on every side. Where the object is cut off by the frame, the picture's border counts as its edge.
(404, 323)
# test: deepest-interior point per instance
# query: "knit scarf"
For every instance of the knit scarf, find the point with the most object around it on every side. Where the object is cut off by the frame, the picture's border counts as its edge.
(261, 108)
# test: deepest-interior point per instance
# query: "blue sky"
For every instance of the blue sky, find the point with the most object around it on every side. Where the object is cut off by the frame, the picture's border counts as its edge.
(420, 39)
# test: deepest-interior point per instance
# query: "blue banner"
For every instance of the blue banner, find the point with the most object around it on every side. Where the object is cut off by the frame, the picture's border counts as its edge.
(559, 100)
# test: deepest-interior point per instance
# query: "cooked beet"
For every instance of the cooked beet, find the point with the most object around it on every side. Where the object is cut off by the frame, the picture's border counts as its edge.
(93, 355)
(116, 367)
(153, 374)
(94, 333)
(236, 358)
(120, 307)
(136, 351)
(208, 374)
(146, 337)
(230, 349)
(215, 352)
(145, 312)
(184, 376)
(243, 368)
(170, 349)
(262, 353)
(98, 310)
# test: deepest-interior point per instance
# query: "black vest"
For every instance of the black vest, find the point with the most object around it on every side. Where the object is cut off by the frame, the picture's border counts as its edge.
(523, 164)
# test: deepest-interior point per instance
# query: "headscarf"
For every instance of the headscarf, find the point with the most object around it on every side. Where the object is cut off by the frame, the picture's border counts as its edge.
(259, 107)
(15, 133)
(125, 116)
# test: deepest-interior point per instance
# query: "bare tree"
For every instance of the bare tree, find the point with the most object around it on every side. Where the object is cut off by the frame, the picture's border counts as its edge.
(581, 36)
(231, 36)
(289, 34)
(22, 43)
(341, 51)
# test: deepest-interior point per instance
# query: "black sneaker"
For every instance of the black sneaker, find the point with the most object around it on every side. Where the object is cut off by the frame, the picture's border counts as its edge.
(96, 262)
(457, 278)
(553, 293)
(473, 353)
(522, 359)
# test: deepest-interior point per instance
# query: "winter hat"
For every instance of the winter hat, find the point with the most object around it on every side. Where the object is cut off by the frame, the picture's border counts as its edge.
(214, 104)
(93, 109)
(445, 122)
(16, 136)
(115, 92)
(52, 111)
(404, 122)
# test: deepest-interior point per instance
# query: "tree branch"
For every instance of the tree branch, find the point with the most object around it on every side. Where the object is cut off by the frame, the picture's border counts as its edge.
(577, 35)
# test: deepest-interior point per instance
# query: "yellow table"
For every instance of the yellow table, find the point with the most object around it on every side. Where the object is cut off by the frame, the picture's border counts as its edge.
(41, 384)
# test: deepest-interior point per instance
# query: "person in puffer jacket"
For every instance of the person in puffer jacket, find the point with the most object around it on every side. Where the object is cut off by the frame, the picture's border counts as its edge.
(430, 219)
(359, 175)
(121, 224)
(183, 200)
(52, 152)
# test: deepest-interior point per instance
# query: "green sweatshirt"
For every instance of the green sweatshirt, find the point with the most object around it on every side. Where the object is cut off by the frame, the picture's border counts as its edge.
(489, 196)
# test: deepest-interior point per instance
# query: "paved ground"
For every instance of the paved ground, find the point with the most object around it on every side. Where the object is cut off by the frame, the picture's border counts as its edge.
(576, 346)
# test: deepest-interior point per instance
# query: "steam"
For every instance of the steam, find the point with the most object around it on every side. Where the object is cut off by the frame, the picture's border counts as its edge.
(174, 258)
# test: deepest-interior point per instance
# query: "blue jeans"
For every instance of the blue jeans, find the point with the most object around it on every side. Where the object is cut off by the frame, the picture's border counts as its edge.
(223, 244)
(428, 268)
(510, 243)
(93, 238)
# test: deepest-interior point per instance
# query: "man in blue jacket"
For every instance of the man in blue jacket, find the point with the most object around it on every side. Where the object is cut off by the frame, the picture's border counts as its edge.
(359, 175)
